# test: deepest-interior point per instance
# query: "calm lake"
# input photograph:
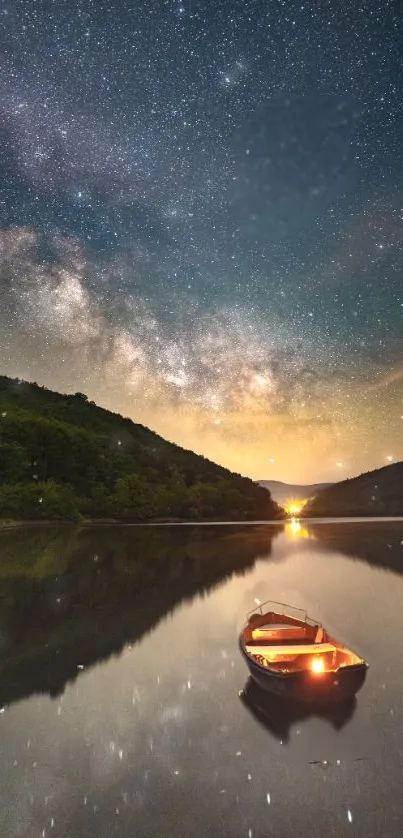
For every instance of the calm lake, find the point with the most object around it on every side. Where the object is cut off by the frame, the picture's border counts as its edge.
(120, 682)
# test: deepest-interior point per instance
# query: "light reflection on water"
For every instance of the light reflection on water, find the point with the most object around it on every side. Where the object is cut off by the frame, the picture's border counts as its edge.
(146, 733)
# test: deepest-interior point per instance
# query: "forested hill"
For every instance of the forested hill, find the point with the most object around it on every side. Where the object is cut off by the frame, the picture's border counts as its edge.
(62, 456)
(378, 492)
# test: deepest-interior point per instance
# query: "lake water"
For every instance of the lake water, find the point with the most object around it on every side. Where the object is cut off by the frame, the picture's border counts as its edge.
(120, 682)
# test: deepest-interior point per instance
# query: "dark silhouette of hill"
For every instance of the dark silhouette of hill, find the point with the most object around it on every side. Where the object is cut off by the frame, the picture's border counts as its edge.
(282, 492)
(73, 597)
(379, 543)
(64, 457)
(378, 492)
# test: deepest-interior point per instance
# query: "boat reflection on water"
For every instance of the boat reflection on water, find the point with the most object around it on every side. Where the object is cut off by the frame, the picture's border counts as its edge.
(278, 715)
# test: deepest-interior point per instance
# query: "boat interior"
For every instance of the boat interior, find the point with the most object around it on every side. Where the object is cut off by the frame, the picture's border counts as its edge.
(286, 644)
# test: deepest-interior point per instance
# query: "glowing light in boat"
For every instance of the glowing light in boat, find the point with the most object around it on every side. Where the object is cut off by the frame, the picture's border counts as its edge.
(318, 665)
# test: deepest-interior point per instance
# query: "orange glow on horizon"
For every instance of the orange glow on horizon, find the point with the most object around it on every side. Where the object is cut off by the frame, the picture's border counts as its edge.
(294, 507)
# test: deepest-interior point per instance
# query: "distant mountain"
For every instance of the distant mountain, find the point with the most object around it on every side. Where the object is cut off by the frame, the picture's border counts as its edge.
(378, 492)
(63, 457)
(282, 492)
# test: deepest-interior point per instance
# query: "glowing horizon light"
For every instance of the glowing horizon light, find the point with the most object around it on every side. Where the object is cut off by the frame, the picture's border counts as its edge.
(389, 458)
(295, 507)
(339, 465)
(318, 665)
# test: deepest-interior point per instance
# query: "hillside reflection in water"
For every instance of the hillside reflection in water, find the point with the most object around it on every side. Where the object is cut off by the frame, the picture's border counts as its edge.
(126, 708)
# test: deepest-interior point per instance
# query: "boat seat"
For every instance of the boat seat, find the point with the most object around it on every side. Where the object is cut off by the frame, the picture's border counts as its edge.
(281, 633)
(278, 651)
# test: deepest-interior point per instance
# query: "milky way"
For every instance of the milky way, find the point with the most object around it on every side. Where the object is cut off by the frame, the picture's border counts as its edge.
(201, 222)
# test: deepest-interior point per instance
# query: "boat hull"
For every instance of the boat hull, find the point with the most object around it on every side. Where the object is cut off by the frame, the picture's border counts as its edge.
(305, 686)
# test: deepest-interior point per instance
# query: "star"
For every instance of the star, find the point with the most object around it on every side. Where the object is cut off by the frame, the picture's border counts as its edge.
(171, 231)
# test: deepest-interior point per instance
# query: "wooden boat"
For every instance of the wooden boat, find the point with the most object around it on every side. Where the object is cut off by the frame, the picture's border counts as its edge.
(291, 655)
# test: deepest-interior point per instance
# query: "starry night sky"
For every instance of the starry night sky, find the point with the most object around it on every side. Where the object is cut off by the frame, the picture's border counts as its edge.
(201, 222)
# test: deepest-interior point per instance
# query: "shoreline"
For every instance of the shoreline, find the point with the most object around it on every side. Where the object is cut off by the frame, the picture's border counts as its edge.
(9, 524)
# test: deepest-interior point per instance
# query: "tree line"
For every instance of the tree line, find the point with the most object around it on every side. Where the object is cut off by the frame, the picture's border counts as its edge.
(63, 457)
